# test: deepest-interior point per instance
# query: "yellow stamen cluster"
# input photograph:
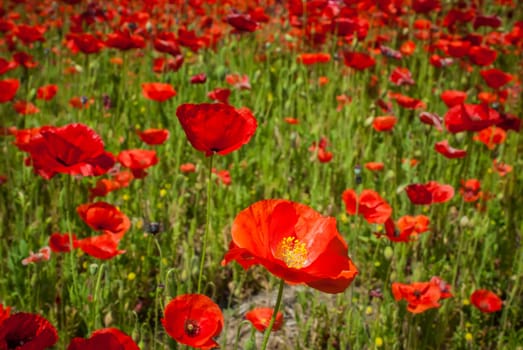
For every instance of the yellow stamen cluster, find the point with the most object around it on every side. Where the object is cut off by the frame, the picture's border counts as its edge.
(292, 252)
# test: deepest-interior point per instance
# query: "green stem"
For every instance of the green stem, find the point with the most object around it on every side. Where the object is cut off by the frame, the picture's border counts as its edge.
(274, 314)
(207, 225)
(96, 299)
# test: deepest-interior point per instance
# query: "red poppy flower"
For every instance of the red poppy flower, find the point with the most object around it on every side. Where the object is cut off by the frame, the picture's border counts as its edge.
(238, 81)
(30, 34)
(25, 108)
(26, 331)
(486, 301)
(8, 89)
(501, 168)
(446, 150)
(61, 242)
(291, 120)
(46, 92)
(161, 65)
(188, 38)
(153, 136)
(421, 296)
(374, 166)
(431, 119)
(25, 60)
(194, 320)
(188, 168)
(260, 318)
(440, 62)
(80, 102)
(453, 97)
(429, 193)
(6, 66)
(216, 128)
(406, 101)
(166, 42)
(199, 78)
(358, 61)
(458, 48)
(482, 56)
(495, 78)
(223, 175)
(220, 95)
(242, 22)
(106, 338)
(104, 246)
(138, 160)
(369, 204)
(313, 58)
(123, 40)
(408, 47)
(73, 149)
(407, 228)
(470, 117)
(158, 91)
(102, 216)
(470, 190)
(486, 21)
(293, 242)
(426, 6)
(102, 188)
(491, 136)
(84, 42)
(384, 123)
(401, 76)
(44, 254)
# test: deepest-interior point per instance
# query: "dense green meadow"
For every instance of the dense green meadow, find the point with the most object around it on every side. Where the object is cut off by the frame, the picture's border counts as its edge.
(305, 114)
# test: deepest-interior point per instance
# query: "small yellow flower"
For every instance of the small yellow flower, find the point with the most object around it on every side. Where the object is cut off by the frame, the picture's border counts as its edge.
(164, 261)
(377, 264)
(131, 276)
(378, 342)
(139, 224)
(125, 197)
(466, 302)
(469, 337)
(368, 310)
(343, 218)
(163, 192)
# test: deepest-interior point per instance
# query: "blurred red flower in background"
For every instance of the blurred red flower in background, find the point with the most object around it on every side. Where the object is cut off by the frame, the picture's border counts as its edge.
(421, 296)
(293, 242)
(8, 89)
(260, 318)
(153, 136)
(486, 301)
(46, 92)
(369, 204)
(194, 320)
(159, 92)
(216, 127)
(384, 123)
(73, 149)
(447, 151)
(137, 160)
(429, 193)
(105, 338)
(104, 246)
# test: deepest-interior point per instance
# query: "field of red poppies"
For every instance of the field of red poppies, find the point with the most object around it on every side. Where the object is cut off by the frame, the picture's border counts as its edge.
(262, 174)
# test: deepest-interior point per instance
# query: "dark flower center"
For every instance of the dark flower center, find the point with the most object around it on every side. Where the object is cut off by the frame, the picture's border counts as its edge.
(192, 329)
(16, 342)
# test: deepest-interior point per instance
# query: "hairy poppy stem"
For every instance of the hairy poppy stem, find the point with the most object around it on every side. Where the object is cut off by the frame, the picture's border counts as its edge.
(274, 314)
(207, 224)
